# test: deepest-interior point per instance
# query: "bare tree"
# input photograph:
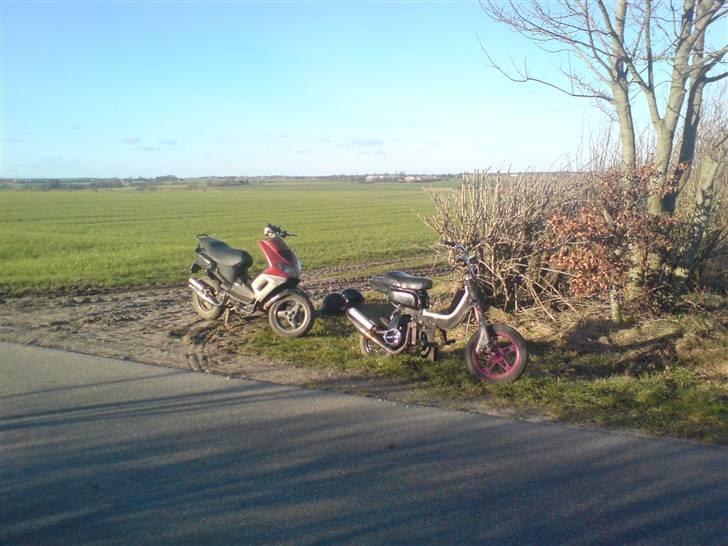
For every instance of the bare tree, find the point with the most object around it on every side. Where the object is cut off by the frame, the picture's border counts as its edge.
(654, 47)
(708, 190)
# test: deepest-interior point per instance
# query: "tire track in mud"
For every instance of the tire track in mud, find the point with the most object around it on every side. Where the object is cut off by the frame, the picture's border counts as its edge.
(332, 279)
(157, 325)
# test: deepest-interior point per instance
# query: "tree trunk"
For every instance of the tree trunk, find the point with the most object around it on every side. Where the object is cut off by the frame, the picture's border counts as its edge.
(703, 204)
(626, 126)
(708, 171)
(661, 204)
(620, 89)
(615, 305)
(709, 168)
(693, 113)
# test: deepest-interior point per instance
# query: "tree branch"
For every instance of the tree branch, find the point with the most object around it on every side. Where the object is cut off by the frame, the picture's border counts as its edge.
(713, 79)
(523, 76)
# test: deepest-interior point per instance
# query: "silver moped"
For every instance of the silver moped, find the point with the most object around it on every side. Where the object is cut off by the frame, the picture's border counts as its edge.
(495, 353)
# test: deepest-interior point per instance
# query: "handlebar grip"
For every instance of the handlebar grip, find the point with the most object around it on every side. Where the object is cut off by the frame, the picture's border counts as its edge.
(449, 243)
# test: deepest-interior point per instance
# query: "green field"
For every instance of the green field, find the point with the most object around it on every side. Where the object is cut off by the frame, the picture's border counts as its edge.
(58, 239)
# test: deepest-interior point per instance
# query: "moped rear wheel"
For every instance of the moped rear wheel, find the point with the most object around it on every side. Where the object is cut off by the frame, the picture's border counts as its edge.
(369, 348)
(291, 316)
(428, 351)
(506, 360)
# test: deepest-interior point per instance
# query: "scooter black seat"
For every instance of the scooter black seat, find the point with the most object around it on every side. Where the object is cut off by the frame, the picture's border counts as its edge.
(224, 254)
(399, 279)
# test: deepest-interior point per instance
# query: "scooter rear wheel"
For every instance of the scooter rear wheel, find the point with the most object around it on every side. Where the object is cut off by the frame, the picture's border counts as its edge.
(506, 360)
(204, 309)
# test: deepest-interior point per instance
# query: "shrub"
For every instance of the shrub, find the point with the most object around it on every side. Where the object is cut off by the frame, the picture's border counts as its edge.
(613, 242)
(504, 221)
(553, 239)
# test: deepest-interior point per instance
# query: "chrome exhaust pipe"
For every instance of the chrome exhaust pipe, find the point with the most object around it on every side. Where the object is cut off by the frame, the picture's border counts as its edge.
(202, 291)
(366, 327)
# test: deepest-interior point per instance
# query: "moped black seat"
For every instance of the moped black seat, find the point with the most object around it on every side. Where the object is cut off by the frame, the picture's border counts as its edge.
(224, 254)
(399, 279)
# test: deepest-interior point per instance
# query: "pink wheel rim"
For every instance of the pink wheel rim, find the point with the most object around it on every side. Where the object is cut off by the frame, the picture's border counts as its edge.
(502, 360)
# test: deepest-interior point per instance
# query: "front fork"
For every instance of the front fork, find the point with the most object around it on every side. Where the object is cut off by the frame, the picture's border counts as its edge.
(487, 335)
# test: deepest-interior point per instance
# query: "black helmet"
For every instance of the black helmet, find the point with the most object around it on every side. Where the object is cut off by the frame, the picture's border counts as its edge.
(333, 304)
(352, 296)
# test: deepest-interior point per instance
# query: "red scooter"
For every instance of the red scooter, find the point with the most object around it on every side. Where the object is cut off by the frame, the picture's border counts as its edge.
(226, 287)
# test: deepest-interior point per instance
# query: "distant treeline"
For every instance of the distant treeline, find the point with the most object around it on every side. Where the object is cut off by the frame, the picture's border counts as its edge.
(140, 183)
(170, 180)
(202, 183)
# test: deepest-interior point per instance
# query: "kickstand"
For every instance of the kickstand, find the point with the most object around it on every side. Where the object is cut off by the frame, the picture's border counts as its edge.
(226, 318)
(443, 337)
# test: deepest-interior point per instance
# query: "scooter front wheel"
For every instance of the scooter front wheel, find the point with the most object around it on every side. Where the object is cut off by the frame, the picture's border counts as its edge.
(291, 316)
(504, 362)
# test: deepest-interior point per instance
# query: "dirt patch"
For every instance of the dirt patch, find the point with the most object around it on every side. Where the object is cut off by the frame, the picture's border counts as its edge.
(156, 325)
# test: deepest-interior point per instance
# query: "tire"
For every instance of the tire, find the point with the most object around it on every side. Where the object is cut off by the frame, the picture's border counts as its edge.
(291, 316)
(206, 310)
(507, 360)
(369, 348)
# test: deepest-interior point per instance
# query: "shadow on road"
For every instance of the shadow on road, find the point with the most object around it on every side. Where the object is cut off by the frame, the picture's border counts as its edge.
(222, 467)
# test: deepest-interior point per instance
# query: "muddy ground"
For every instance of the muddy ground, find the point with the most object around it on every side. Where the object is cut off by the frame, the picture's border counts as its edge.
(156, 325)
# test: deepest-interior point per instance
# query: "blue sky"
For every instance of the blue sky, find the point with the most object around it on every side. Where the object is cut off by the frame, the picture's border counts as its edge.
(263, 88)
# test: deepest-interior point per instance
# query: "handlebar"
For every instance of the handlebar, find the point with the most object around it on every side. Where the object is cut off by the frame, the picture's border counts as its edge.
(455, 245)
(271, 230)
(465, 256)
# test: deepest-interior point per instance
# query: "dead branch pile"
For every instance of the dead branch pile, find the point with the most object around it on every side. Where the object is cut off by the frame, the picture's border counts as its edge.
(503, 220)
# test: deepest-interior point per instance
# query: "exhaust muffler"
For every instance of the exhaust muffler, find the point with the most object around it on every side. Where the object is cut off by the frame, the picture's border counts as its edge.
(366, 327)
(203, 292)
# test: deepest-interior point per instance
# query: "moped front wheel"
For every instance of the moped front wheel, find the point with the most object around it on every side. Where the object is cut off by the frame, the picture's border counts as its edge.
(291, 316)
(504, 362)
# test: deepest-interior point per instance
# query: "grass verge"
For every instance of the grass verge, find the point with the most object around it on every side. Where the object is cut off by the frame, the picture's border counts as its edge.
(666, 377)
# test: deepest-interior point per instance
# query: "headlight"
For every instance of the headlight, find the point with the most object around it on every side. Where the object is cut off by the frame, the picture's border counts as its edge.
(287, 269)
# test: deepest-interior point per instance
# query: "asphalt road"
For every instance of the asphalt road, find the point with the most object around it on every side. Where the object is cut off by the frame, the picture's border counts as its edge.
(99, 451)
